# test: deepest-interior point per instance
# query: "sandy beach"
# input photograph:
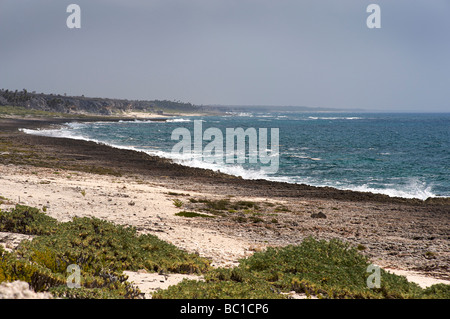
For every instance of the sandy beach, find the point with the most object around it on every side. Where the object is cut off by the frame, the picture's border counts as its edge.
(69, 178)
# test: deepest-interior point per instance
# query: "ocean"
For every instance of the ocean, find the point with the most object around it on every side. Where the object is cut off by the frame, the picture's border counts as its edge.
(397, 154)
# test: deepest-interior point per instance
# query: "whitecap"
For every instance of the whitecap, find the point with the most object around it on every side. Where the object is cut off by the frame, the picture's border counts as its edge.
(179, 120)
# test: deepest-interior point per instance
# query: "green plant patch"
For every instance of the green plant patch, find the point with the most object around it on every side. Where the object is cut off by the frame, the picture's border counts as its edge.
(101, 249)
(193, 214)
(178, 203)
(327, 269)
(98, 246)
(192, 289)
(22, 111)
(27, 220)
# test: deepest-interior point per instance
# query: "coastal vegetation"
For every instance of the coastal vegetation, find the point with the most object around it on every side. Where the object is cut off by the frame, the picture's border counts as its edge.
(8, 110)
(103, 250)
(192, 214)
(325, 269)
(32, 103)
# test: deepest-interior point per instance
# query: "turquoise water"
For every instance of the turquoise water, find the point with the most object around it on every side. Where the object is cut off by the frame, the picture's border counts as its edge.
(406, 155)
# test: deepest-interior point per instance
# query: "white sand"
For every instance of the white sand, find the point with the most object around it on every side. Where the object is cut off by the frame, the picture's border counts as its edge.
(422, 281)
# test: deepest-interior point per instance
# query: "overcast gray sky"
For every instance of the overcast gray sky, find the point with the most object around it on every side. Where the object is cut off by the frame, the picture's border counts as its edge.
(242, 52)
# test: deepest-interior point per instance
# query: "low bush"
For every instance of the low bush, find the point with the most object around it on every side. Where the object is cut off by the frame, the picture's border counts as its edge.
(27, 220)
(101, 249)
(327, 269)
(97, 245)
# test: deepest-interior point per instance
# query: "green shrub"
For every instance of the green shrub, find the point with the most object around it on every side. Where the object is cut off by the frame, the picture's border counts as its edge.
(40, 278)
(95, 245)
(328, 269)
(101, 249)
(332, 267)
(440, 291)
(27, 220)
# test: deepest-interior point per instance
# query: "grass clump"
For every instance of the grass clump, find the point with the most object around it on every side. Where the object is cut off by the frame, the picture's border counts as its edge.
(193, 214)
(438, 290)
(178, 203)
(3, 200)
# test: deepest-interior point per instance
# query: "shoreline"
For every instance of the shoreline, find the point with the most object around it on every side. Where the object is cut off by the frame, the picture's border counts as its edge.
(275, 180)
(292, 189)
(396, 233)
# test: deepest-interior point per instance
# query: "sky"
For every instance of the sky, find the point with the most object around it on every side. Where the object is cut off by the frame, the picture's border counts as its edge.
(316, 53)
